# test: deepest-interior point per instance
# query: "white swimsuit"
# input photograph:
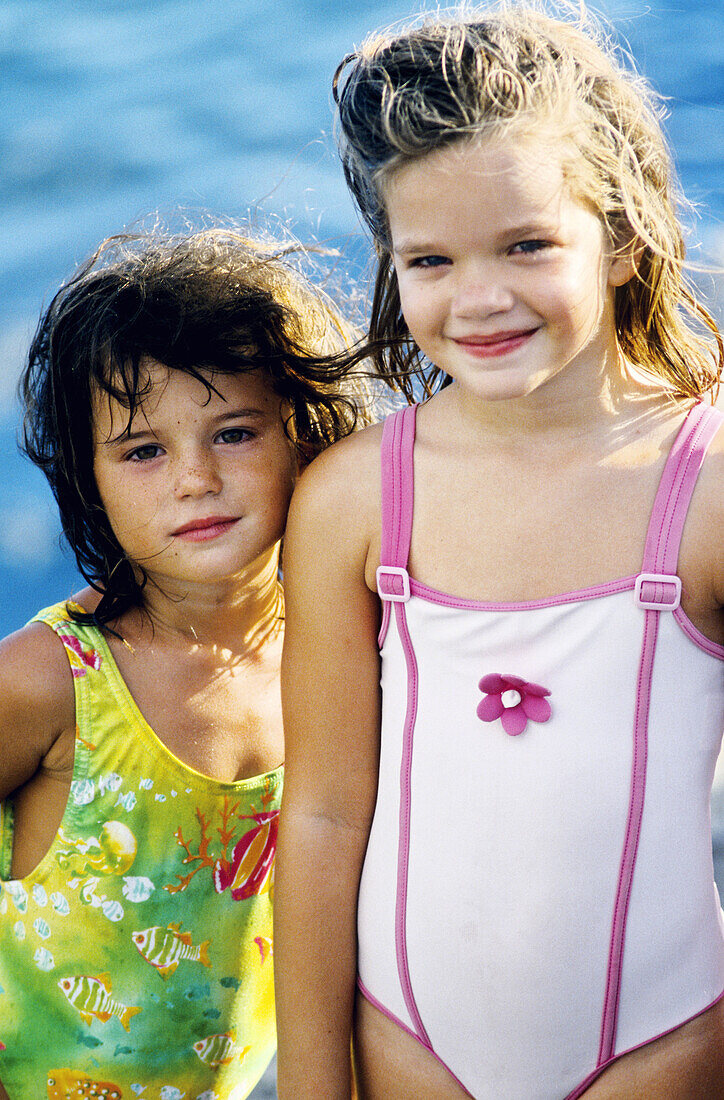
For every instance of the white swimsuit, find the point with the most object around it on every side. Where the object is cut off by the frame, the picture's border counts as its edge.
(537, 896)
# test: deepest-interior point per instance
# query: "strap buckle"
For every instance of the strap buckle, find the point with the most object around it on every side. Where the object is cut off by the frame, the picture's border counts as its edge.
(389, 578)
(651, 603)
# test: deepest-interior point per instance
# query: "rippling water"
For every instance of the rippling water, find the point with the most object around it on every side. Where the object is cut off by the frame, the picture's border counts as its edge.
(114, 108)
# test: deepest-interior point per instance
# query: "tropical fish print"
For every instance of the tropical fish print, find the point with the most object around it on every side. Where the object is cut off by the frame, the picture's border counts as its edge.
(220, 1050)
(66, 1084)
(91, 997)
(137, 887)
(43, 959)
(42, 928)
(165, 947)
(127, 801)
(251, 870)
(80, 659)
(40, 896)
(60, 903)
(19, 895)
(137, 913)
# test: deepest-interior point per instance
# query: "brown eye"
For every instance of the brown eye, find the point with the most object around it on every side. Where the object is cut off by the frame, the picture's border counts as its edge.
(145, 453)
(234, 435)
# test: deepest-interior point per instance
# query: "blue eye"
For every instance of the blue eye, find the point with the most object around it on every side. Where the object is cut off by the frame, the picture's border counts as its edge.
(529, 247)
(429, 261)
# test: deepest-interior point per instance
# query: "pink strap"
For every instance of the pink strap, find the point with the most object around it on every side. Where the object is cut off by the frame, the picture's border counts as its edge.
(658, 588)
(661, 552)
(398, 442)
(393, 585)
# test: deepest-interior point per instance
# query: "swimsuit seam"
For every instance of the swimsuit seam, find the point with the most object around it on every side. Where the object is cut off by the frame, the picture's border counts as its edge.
(385, 623)
(712, 649)
(633, 829)
(376, 1003)
(403, 856)
(592, 592)
(587, 1081)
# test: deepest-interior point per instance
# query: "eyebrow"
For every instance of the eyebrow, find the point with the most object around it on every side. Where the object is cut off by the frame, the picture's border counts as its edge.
(124, 438)
(545, 227)
(250, 413)
(409, 246)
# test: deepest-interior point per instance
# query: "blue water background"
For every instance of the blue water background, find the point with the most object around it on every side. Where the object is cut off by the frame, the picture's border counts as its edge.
(114, 108)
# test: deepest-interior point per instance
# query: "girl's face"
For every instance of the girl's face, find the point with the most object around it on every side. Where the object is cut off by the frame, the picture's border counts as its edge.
(198, 491)
(505, 278)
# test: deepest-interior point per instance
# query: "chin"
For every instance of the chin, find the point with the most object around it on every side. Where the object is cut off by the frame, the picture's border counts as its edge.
(495, 390)
(513, 385)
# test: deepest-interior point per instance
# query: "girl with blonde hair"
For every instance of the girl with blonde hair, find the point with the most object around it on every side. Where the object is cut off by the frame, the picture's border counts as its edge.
(507, 845)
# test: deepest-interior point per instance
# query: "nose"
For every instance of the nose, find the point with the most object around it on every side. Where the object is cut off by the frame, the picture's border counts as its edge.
(196, 474)
(482, 291)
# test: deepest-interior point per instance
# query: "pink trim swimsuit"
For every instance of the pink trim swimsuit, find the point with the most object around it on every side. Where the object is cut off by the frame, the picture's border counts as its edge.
(537, 897)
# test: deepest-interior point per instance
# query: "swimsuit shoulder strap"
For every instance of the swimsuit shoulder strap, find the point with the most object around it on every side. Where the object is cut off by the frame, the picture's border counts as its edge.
(658, 587)
(398, 444)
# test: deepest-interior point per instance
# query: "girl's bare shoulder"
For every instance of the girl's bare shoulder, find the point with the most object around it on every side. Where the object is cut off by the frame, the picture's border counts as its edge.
(342, 483)
(33, 666)
(37, 703)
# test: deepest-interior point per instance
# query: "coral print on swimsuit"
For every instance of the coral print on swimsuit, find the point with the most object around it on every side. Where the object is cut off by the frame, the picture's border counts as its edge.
(514, 701)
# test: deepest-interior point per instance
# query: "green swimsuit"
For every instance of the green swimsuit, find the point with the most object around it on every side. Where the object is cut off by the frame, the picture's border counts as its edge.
(135, 961)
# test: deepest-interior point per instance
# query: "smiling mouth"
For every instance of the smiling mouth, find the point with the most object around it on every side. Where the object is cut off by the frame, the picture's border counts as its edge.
(201, 530)
(498, 343)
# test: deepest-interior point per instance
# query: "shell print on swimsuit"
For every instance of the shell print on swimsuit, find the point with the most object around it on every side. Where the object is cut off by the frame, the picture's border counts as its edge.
(511, 883)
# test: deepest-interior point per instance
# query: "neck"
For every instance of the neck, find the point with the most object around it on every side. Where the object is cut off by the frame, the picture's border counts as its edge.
(236, 618)
(596, 408)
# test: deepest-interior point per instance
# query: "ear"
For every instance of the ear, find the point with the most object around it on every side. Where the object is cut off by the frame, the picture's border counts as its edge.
(625, 262)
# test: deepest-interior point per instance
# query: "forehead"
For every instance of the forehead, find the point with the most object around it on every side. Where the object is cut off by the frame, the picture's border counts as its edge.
(165, 394)
(499, 179)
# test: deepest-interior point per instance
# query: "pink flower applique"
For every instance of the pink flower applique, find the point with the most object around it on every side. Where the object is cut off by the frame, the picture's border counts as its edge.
(513, 701)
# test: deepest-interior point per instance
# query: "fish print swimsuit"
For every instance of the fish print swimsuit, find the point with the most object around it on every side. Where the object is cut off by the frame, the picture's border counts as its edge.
(135, 960)
(537, 896)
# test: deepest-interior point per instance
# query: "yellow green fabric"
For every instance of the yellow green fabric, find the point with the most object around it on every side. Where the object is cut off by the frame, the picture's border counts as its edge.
(136, 958)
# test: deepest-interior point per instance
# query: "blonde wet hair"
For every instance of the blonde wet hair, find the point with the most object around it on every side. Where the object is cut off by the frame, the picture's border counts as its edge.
(519, 69)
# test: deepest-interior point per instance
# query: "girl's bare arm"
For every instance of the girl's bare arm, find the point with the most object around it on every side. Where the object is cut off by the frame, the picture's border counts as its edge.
(37, 738)
(36, 702)
(330, 687)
